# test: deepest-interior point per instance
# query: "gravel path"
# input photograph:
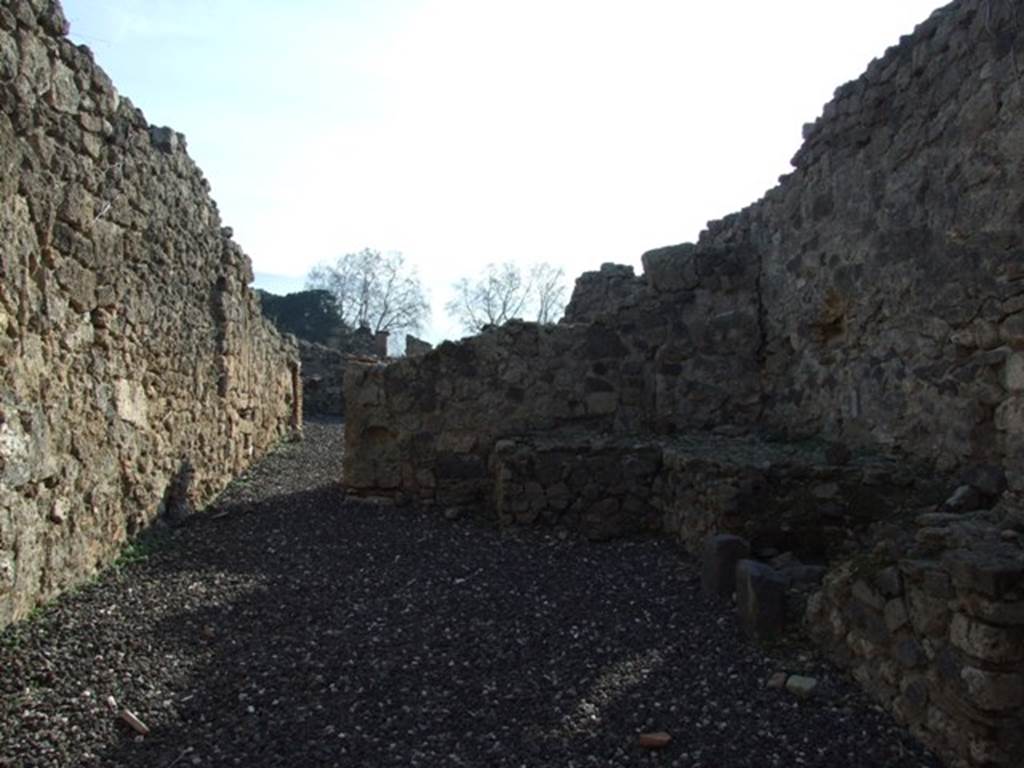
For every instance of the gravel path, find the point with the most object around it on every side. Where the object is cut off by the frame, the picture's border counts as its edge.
(293, 628)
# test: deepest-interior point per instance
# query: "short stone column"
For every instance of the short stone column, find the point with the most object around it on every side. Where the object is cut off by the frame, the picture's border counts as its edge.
(720, 555)
(760, 600)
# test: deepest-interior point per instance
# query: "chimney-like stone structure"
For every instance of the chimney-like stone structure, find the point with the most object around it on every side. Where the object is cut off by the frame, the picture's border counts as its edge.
(380, 344)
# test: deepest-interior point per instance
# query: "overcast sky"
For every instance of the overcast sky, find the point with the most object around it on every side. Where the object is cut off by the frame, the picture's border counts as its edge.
(467, 131)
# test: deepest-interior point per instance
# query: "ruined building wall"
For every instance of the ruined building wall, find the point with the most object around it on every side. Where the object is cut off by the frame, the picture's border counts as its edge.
(135, 358)
(323, 370)
(930, 621)
(889, 263)
(874, 296)
(427, 425)
(891, 258)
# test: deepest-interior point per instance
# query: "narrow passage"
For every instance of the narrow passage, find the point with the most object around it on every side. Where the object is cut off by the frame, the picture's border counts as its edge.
(291, 627)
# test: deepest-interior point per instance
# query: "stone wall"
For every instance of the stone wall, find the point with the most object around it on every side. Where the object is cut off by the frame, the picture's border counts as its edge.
(891, 258)
(428, 424)
(873, 297)
(888, 265)
(323, 370)
(799, 498)
(931, 621)
(138, 373)
(604, 291)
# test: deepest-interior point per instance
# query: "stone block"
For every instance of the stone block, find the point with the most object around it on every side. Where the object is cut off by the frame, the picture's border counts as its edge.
(603, 521)
(163, 138)
(987, 479)
(965, 498)
(986, 573)
(993, 691)
(803, 574)
(1013, 375)
(131, 402)
(672, 268)
(721, 553)
(868, 596)
(889, 581)
(1009, 416)
(895, 615)
(558, 497)
(911, 706)
(64, 93)
(1011, 331)
(928, 615)
(984, 641)
(760, 600)
(909, 653)
(928, 576)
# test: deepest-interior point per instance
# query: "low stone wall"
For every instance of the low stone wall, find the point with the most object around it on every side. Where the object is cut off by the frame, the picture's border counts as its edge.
(797, 498)
(600, 486)
(931, 623)
(810, 498)
(138, 374)
(425, 425)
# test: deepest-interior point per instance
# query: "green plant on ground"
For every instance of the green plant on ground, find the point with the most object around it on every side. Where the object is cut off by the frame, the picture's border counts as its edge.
(139, 549)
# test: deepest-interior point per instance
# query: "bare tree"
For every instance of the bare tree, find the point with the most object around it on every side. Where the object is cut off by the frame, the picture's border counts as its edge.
(374, 290)
(548, 291)
(502, 292)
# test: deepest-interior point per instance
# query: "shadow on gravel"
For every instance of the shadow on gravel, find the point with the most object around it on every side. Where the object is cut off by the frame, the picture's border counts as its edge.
(305, 630)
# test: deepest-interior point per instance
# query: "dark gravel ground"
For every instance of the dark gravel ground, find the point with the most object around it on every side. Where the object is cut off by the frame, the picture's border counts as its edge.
(290, 627)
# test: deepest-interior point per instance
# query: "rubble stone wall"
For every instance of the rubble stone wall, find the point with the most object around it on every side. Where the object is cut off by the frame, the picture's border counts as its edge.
(874, 297)
(889, 265)
(786, 497)
(427, 425)
(323, 370)
(931, 623)
(891, 259)
(138, 373)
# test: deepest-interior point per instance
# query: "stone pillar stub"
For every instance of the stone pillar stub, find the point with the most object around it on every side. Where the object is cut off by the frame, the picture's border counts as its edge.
(380, 344)
(760, 600)
(718, 564)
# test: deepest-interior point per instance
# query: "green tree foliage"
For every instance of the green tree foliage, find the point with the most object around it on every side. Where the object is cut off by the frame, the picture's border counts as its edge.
(311, 315)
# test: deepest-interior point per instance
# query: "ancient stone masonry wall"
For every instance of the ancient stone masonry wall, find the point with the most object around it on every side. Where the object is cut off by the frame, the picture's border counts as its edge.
(603, 292)
(891, 259)
(779, 496)
(138, 374)
(887, 268)
(931, 622)
(427, 425)
(323, 370)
